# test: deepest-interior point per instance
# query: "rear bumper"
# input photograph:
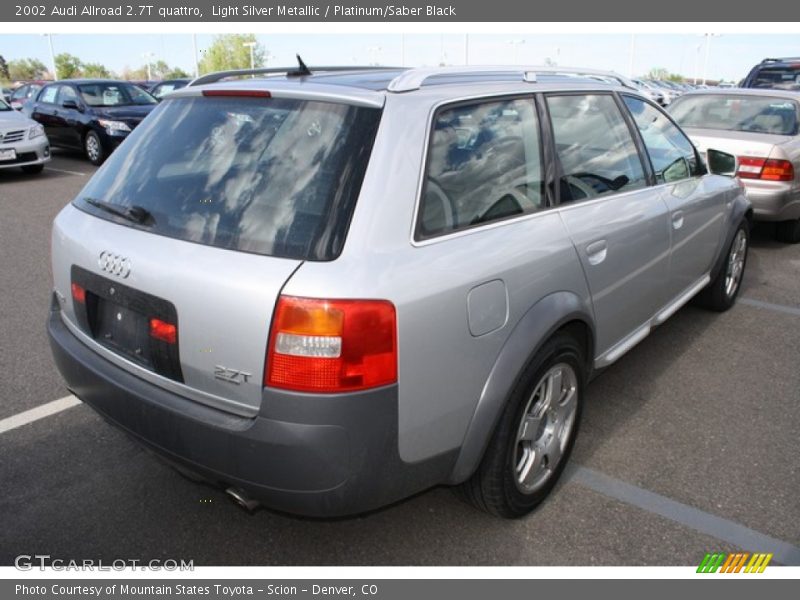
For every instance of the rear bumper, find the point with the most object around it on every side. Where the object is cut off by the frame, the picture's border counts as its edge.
(773, 201)
(307, 454)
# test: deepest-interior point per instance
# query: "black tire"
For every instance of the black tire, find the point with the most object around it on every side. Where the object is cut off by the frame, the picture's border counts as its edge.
(32, 169)
(93, 148)
(717, 295)
(495, 487)
(788, 232)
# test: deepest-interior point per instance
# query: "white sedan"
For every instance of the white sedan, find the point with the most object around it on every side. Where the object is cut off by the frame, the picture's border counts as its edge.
(23, 142)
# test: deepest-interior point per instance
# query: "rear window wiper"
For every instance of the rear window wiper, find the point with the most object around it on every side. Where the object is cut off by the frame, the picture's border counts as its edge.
(135, 214)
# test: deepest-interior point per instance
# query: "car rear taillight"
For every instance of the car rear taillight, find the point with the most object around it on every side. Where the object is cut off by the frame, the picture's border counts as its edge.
(78, 294)
(771, 169)
(161, 330)
(329, 346)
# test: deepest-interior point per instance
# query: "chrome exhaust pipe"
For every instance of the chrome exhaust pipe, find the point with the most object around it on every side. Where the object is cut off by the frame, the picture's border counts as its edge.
(243, 500)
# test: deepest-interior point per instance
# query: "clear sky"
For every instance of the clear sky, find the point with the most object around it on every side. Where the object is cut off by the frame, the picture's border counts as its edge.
(731, 55)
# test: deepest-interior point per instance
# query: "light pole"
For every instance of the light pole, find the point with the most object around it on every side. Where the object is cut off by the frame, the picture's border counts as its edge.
(49, 37)
(708, 49)
(252, 46)
(194, 49)
(147, 56)
(632, 54)
(516, 44)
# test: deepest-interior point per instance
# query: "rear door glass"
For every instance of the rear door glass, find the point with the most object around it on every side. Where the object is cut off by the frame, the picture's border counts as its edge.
(594, 145)
(484, 165)
(264, 175)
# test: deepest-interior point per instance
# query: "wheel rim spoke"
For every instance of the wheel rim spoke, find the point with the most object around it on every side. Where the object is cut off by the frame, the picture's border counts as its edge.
(545, 427)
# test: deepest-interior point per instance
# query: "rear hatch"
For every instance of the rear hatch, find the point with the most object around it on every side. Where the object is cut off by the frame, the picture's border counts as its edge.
(170, 261)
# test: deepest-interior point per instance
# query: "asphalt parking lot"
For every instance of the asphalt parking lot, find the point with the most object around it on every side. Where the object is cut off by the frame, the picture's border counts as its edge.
(689, 444)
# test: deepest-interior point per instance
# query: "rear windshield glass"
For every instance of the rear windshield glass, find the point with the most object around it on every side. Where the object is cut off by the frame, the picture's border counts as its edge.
(263, 175)
(785, 78)
(737, 113)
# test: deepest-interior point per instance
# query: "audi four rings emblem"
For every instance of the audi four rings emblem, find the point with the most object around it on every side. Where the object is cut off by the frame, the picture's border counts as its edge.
(116, 265)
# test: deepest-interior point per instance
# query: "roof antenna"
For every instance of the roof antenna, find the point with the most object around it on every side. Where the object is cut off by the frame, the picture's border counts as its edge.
(301, 71)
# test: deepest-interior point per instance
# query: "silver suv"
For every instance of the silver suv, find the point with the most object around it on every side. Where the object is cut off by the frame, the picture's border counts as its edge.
(328, 291)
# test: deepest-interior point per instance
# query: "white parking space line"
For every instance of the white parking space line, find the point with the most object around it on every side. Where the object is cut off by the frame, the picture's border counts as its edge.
(688, 516)
(789, 310)
(65, 171)
(40, 412)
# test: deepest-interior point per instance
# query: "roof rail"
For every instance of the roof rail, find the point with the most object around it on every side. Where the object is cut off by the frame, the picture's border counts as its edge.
(288, 71)
(769, 60)
(413, 79)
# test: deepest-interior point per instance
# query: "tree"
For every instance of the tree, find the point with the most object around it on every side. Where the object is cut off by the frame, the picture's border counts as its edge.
(229, 52)
(4, 74)
(95, 70)
(26, 68)
(176, 73)
(67, 66)
(664, 75)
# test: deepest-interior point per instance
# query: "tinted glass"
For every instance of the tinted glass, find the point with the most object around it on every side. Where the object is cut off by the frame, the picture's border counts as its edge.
(671, 153)
(67, 92)
(268, 176)
(737, 113)
(114, 94)
(595, 147)
(49, 94)
(786, 78)
(483, 166)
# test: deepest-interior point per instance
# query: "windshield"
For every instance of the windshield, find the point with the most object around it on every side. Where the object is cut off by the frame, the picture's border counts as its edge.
(114, 94)
(4, 106)
(737, 113)
(262, 175)
(785, 78)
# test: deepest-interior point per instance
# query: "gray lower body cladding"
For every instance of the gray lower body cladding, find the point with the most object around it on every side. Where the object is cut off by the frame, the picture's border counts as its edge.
(306, 454)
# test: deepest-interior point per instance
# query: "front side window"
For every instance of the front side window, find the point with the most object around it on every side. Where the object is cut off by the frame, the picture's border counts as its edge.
(671, 153)
(67, 93)
(594, 145)
(483, 165)
(49, 94)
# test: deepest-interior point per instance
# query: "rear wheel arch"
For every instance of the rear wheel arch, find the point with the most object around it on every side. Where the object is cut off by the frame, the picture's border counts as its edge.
(560, 312)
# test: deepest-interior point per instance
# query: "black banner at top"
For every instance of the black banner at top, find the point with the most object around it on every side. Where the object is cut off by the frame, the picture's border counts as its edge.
(413, 11)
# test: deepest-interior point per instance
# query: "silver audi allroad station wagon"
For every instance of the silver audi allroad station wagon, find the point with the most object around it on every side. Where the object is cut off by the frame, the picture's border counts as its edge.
(327, 289)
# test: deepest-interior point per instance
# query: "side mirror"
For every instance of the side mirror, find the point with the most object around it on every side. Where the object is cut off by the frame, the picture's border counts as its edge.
(722, 163)
(71, 104)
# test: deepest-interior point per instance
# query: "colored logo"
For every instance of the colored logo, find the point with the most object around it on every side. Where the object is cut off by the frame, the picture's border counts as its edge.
(734, 563)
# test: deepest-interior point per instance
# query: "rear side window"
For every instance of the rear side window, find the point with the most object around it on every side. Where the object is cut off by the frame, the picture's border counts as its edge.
(671, 153)
(594, 145)
(264, 175)
(484, 165)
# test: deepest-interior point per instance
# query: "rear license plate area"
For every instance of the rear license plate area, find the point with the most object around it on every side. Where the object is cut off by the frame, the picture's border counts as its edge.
(118, 317)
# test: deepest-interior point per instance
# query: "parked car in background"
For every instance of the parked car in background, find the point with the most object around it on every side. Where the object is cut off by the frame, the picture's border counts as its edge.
(775, 73)
(94, 116)
(162, 88)
(5, 94)
(650, 91)
(329, 290)
(23, 142)
(23, 93)
(760, 127)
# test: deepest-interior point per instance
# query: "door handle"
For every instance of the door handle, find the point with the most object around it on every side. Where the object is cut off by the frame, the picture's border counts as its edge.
(596, 252)
(677, 219)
